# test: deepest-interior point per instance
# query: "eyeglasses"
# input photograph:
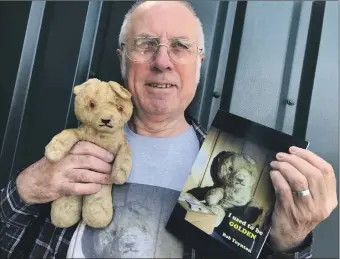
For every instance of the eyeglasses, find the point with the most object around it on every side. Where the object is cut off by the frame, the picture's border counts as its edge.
(143, 49)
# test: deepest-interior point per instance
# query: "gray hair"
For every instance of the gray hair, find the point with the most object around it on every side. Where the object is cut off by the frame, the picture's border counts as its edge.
(124, 28)
(127, 21)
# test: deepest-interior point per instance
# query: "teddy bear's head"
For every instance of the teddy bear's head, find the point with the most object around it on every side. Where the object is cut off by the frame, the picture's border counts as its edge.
(105, 106)
(234, 170)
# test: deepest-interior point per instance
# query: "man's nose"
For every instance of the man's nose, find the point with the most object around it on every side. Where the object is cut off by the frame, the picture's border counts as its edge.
(162, 60)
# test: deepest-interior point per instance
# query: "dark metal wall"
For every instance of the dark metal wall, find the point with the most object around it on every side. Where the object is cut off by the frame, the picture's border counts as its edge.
(273, 62)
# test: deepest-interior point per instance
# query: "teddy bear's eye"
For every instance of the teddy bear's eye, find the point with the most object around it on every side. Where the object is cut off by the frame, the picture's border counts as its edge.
(92, 104)
(120, 108)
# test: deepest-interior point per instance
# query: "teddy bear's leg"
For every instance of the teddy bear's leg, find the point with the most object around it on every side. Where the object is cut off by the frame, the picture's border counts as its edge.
(60, 145)
(97, 208)
(66, 211)
(122, 164)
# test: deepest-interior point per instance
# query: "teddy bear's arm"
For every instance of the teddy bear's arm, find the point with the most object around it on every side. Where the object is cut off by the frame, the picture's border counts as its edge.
(122, 164)
(214, 196)
(61, 144)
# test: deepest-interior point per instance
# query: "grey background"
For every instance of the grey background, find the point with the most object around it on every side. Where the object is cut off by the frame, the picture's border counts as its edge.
(259, 55)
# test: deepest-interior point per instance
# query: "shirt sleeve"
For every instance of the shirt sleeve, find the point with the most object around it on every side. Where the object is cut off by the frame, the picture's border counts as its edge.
(304, 251)
(15, 216)
(13, 210)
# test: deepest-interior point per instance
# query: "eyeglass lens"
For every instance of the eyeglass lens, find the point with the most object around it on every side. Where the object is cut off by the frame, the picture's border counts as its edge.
(143, 49)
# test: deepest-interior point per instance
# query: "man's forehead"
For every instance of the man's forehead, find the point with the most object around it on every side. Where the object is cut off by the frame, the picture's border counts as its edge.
(162, 18)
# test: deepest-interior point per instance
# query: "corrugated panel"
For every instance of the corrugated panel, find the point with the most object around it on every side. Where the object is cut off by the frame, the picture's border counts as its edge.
(21, 87)
(12, 35)
(267, 55)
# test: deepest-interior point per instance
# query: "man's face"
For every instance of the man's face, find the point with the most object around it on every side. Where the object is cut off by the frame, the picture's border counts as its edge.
(163, 20)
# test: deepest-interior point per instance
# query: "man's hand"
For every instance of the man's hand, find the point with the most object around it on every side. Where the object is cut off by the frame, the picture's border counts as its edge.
(79, 173)
(295, 217)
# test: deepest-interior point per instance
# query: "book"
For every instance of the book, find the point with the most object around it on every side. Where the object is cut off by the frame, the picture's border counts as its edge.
(225, 206)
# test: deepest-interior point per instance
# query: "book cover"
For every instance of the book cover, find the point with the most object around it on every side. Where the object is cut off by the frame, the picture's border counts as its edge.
(226, 204)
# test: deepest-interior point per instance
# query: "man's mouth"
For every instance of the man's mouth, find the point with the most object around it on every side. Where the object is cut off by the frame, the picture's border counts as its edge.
(161, 85)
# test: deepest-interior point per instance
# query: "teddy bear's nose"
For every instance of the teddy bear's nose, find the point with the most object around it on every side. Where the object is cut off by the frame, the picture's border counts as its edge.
(106, 121)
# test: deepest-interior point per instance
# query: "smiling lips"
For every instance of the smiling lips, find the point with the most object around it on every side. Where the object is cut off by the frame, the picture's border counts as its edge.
(154, 85)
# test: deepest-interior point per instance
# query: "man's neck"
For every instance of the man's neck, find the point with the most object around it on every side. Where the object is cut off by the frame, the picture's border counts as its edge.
(158, 127)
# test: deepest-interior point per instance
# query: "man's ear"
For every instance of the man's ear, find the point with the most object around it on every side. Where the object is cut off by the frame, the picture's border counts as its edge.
(119, 54)
(202, 59)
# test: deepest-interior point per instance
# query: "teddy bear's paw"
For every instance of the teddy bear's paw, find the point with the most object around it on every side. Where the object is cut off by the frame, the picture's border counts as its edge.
(99, 221)
(213, 196)
(98, 215)
(119, 177)
(54, 157)
(97, 208)
(66, 211)
(54, 154)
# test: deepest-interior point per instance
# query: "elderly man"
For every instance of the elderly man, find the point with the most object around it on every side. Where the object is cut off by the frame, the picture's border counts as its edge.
(161, 51)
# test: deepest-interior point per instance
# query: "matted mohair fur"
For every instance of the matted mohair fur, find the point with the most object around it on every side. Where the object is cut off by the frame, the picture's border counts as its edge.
(103, 108)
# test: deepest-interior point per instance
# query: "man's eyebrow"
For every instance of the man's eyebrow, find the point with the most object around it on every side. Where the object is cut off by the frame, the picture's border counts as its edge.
(147, 35)
(143, 34)
(180, 38)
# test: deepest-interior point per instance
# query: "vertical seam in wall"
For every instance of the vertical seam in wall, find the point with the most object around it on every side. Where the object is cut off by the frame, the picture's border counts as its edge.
(213, 64)
(85, 51)
(288, 64)
(308, 69)
(233, 56)
(103, 30)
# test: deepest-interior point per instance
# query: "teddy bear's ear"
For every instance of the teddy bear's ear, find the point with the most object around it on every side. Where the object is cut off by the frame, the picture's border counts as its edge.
(77, 89)
(120, 90)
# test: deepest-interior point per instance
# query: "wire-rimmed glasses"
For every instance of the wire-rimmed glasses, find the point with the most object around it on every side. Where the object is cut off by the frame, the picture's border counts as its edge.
(143, 49)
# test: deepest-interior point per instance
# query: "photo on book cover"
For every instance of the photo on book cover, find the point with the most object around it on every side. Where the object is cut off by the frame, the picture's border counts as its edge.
(228, 194)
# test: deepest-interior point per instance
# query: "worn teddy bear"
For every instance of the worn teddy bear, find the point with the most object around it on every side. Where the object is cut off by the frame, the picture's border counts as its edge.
(103, 108)
(234, 176)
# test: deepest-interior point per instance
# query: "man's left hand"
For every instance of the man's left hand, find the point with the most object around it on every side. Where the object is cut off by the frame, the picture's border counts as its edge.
(294, 216)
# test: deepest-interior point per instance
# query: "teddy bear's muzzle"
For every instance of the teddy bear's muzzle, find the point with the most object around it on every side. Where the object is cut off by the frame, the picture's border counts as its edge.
(106, 123)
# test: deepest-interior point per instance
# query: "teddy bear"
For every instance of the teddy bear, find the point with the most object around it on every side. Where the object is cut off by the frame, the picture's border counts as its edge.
(103, 109)
(234, 176)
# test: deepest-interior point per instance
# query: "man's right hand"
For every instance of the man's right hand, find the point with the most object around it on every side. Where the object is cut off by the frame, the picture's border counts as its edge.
(81, 172)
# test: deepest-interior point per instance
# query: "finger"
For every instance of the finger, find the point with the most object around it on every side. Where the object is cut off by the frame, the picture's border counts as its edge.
(296, 182)
(87, 162)
(87, 176)
(325, 169)
(294, 178)
(296, 208)
(315, 179)
(313, 159)
(80, 188)
(88, 148)
(282, 188)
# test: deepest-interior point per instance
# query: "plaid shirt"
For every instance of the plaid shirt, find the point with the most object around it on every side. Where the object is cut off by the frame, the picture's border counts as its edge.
(17, 222)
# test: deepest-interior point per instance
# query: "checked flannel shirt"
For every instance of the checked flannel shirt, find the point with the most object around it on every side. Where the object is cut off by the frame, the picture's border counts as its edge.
(17, 218)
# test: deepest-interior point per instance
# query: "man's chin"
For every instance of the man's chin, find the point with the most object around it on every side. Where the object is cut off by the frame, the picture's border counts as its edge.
(160, 113)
